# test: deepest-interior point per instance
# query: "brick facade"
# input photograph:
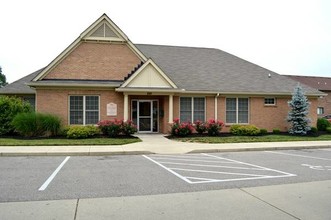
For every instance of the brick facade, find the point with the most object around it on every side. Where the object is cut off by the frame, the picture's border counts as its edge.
(325, 102)
(96, 61)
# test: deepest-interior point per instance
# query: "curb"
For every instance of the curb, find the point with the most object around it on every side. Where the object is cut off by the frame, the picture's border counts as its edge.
(24, 154)
(257, 149)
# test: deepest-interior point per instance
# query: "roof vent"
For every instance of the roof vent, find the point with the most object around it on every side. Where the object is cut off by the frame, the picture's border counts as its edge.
(269, 75)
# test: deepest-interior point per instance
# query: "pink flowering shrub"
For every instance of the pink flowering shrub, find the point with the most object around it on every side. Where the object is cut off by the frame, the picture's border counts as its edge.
(117, 127)
(200, 127)
(181, 129)
(214, 127)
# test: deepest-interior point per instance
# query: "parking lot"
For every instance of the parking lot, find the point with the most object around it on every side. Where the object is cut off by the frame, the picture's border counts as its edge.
(49, 178)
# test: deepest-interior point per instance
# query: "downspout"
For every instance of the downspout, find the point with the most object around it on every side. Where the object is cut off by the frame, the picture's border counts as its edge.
(216, 97)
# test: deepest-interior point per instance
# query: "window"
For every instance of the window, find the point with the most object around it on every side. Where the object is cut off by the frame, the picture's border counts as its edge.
(269, 101)
(192, 109)
(236, 110)
(320, 110)
(83, 110)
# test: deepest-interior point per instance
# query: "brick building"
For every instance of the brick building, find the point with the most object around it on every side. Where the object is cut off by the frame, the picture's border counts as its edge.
(103, 75)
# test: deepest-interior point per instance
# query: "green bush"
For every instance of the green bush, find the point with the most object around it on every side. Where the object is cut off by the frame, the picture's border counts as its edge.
(322, 124)
(80, 132)
(214, 127)
(181, 129)
(328, 130)
(313, 130)
(9, 108)
(244, 130)
(34, 124)
(276, 131)
(263, 131)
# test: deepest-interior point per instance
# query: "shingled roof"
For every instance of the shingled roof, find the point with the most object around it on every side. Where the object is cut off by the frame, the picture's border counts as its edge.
(206, 69)
(200, 70)
(19, 86)
(320, 83)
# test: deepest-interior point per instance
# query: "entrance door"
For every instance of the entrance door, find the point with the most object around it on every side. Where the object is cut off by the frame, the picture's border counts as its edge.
(145, 115)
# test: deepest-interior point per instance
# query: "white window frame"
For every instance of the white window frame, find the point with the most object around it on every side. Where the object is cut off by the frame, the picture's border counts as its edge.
(84, 109)
(270, 104)
(318, 108)
(237, 110)
(192, 106)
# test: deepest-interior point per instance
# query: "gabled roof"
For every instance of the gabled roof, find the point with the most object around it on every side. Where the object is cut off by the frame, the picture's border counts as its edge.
(19, 86)
(206, 69)
(149, 75)
(320, 83)
(92, 33)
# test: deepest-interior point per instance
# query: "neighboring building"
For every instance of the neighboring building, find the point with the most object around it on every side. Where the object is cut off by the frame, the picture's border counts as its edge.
(103, 75)
(323, 84)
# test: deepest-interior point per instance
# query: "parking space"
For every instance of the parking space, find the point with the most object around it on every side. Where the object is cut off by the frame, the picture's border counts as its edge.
(207, 168)
(49, 178)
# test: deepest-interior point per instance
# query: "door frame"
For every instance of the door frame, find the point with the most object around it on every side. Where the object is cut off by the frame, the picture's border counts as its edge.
(157, 117)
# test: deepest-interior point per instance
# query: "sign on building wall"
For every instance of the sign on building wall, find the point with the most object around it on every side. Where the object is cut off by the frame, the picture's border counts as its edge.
(111, 109)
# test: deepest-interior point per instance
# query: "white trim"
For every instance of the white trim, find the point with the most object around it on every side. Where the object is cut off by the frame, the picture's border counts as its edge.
(274, 104)
(158, 69)
(171, 108)
(84, 108)
(158, 114)
(192, 106)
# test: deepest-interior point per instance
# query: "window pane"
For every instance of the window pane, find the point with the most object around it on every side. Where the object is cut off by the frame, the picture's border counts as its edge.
(243, 110)
(185, 109)
(76, 109)
(231, 110)
(92, 103)
(92, 117)
(269, 101)
(199, 109)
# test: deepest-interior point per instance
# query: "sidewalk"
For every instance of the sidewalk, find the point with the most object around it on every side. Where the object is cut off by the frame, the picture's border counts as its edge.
(290, 201)
(156, 144)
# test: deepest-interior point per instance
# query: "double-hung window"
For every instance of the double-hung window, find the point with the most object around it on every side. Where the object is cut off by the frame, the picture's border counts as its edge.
(192, 109)
(83, 110)
(237, 110)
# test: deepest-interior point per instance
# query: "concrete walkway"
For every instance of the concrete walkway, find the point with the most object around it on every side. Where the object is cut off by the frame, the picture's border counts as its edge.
(290, 201)
(155, 144)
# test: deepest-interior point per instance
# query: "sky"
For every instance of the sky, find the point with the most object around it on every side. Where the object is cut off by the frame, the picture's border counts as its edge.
(291, 37)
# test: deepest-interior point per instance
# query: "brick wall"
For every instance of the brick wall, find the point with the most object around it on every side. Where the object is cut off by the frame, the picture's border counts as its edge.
(96, 61)
(56, 102)
(325, 102)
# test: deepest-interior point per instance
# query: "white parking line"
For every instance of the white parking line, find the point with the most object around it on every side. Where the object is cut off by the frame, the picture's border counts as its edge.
(214, 172)
(49, 180)
(297, 155)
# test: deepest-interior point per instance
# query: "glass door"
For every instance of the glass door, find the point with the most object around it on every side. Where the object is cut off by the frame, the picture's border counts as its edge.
(145, 115)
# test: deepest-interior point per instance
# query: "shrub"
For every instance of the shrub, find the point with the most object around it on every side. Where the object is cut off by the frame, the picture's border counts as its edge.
(200, 127)
(181, 129)
(34, 124)
(244, 130)
(322, 124)
(9, 108)
(276, 131)
(80, 132)
(214, 127)
(128, 128)
(117, 127)
(263, 131)
(313, 130)
(328, 130)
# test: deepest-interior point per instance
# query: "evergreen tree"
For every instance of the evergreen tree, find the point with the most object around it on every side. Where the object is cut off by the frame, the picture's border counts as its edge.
(3, 81)
(297, 116)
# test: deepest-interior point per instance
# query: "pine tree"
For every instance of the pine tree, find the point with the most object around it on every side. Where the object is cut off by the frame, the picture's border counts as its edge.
(297, 116)
(3, 81)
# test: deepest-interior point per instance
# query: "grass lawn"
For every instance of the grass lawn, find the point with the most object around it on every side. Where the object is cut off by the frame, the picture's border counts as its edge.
(66, 142)
(245, 139)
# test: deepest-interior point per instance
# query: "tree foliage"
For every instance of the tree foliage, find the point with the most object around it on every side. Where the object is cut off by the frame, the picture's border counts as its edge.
(9, 108)
(298, 114)
(3, 80)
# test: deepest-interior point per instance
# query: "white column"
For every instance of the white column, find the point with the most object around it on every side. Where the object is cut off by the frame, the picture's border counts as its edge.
(216, 107)
(126, 107)
(171, 108)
